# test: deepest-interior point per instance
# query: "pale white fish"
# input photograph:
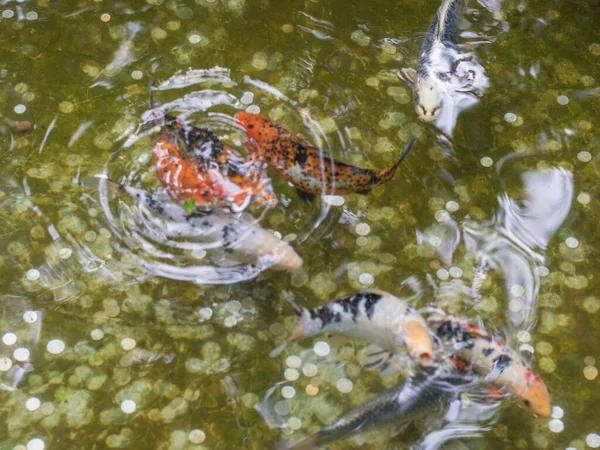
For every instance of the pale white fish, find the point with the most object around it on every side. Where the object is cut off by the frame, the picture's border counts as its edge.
(374, 316)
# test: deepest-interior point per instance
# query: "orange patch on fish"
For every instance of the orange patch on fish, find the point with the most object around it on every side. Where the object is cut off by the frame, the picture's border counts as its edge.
(533, 394)
(418, 341)
(192, 163)
(507, 370)
(303, 165)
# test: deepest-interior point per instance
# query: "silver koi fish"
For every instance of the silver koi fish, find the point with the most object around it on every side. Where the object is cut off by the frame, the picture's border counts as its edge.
(437, 63)
(398, 405)
(246, 241)
(501, 366)
(375, 316)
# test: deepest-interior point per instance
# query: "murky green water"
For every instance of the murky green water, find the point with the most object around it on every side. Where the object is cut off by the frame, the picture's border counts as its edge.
(498, 223)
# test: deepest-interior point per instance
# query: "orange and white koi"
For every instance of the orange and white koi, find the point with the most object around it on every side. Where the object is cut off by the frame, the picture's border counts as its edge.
(506, 369)
(303, 165)
(375, 316)
(193, 163)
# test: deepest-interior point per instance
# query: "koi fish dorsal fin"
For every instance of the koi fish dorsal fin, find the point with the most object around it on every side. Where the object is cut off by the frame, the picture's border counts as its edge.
(305, 196)
(375, 358)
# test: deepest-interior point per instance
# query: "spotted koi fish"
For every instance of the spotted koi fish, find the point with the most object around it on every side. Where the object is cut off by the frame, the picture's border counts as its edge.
(375, 316)
(297, 161)
(506, 369)
(193, 163)
(408, 400)
(246, 241)
(437, 63)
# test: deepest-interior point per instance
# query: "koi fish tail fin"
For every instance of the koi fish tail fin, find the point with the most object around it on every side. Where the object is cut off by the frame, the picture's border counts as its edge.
(375, 358)
(388, 174)
(308, 443)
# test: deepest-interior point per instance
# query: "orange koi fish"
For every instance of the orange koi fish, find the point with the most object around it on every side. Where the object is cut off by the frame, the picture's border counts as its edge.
(297, 161)
(507, 370)
(192, 163)
(375, 316)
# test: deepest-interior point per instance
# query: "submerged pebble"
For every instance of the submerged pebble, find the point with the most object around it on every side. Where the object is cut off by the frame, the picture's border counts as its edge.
(128, 406)
(36, 444)
(55, 346)
(21, 354)
(197, 436)
(9, 339)
(32, 274)
(486, 161)
(5, 364)
(32, 403)
(322, 348)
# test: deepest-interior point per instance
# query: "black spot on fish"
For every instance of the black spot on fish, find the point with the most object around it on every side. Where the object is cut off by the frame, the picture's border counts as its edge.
(487, 351)
(301, 155)
(450, 329)
(323, 313)
(501, 362)
(350, 305)
(250, 126)
(373, 178)
(371, 300)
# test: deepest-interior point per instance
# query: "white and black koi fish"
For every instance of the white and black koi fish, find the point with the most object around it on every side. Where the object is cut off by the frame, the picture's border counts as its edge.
(437, 63)
(398, 405)
(246, 241)
(375, 316)
(507, 370)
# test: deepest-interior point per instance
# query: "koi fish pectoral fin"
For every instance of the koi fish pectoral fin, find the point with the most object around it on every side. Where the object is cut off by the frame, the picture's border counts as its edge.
(408, 76)
(376, 358)
(305, 196)
(398, 429)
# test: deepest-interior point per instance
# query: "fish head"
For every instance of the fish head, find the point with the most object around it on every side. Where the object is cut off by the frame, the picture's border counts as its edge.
(533, 395)
(418, 341)
(259, 129)
(259, 244)
(428, 95)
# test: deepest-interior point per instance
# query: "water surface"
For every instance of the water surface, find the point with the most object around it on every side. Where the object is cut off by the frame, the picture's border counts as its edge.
(495, 221)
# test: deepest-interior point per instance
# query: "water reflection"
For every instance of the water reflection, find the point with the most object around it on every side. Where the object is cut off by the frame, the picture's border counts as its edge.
(513, 242)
